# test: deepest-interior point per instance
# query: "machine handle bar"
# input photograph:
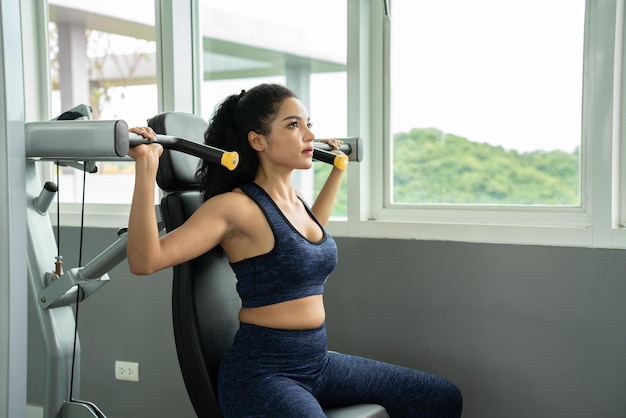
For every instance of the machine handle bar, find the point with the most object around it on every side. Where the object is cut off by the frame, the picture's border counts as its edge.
(228, 159)
(338, 160)
(351, 147)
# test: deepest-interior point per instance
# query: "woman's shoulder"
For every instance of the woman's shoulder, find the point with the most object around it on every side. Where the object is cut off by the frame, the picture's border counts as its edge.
(241, 218)
(233, 203)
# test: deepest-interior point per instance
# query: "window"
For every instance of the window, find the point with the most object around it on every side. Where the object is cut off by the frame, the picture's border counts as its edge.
(589, 214)
(102, 54)
(486, 101)
(301, 44)
(449, 152)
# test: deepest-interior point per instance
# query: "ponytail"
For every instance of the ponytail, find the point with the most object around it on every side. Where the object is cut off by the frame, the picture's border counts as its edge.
(234, 118)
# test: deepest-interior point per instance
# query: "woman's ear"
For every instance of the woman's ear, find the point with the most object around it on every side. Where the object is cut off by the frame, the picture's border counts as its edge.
(255, 140)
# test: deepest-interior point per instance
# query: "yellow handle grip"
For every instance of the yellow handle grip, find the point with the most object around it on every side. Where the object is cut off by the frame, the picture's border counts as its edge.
(341, 162)
(230, 160)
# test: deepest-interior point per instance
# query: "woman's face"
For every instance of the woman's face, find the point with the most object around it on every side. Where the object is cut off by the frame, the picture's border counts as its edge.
(290, 142)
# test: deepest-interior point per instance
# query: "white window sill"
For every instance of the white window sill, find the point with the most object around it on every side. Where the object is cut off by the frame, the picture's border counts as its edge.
(573, 234)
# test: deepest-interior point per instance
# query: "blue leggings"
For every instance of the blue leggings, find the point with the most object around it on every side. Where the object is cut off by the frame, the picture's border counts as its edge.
(290, 374)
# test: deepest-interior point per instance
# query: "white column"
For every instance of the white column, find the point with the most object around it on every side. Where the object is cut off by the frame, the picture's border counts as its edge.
(176, 79)
(298, 79)
(73, 64)
(13, 280)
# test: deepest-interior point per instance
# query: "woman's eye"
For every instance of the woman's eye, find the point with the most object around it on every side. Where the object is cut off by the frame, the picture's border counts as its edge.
(297, 125)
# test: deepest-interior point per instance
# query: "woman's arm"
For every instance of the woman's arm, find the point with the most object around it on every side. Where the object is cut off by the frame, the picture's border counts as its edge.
(323, 205)
(143, 233)
(146, 251)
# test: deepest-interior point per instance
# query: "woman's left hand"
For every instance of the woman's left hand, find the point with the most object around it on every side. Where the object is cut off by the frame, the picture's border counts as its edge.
(335, 144)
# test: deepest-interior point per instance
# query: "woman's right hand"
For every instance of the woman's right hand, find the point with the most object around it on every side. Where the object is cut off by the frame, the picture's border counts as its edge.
(142, 150)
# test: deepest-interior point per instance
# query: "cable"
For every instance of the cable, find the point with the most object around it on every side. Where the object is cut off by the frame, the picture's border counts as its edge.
(80, 264)
(58, 214)
(75, 341)
(82, 218)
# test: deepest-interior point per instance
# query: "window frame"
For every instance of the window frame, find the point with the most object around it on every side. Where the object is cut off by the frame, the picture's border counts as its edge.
(177, 84)
(598, 222)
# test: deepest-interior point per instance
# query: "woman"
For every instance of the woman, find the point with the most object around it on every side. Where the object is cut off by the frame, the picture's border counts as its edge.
(279, 365)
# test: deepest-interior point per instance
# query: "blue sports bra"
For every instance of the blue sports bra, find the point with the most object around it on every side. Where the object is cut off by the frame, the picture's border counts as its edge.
(294, 268)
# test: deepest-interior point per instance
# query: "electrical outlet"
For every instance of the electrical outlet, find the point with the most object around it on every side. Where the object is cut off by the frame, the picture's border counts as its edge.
(127, 370)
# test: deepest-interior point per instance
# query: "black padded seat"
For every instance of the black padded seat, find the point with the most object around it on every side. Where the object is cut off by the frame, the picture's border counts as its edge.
(205, 303)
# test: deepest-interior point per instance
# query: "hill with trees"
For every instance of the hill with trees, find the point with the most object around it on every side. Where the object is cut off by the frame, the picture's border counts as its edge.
(433, 167)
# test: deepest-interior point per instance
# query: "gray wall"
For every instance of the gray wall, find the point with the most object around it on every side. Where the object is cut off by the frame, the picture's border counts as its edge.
(524, 331)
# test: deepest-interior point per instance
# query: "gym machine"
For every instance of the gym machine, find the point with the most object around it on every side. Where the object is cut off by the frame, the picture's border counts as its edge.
(74, 140)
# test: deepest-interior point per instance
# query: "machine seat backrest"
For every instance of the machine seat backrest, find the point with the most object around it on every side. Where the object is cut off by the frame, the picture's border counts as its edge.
(205, 303)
